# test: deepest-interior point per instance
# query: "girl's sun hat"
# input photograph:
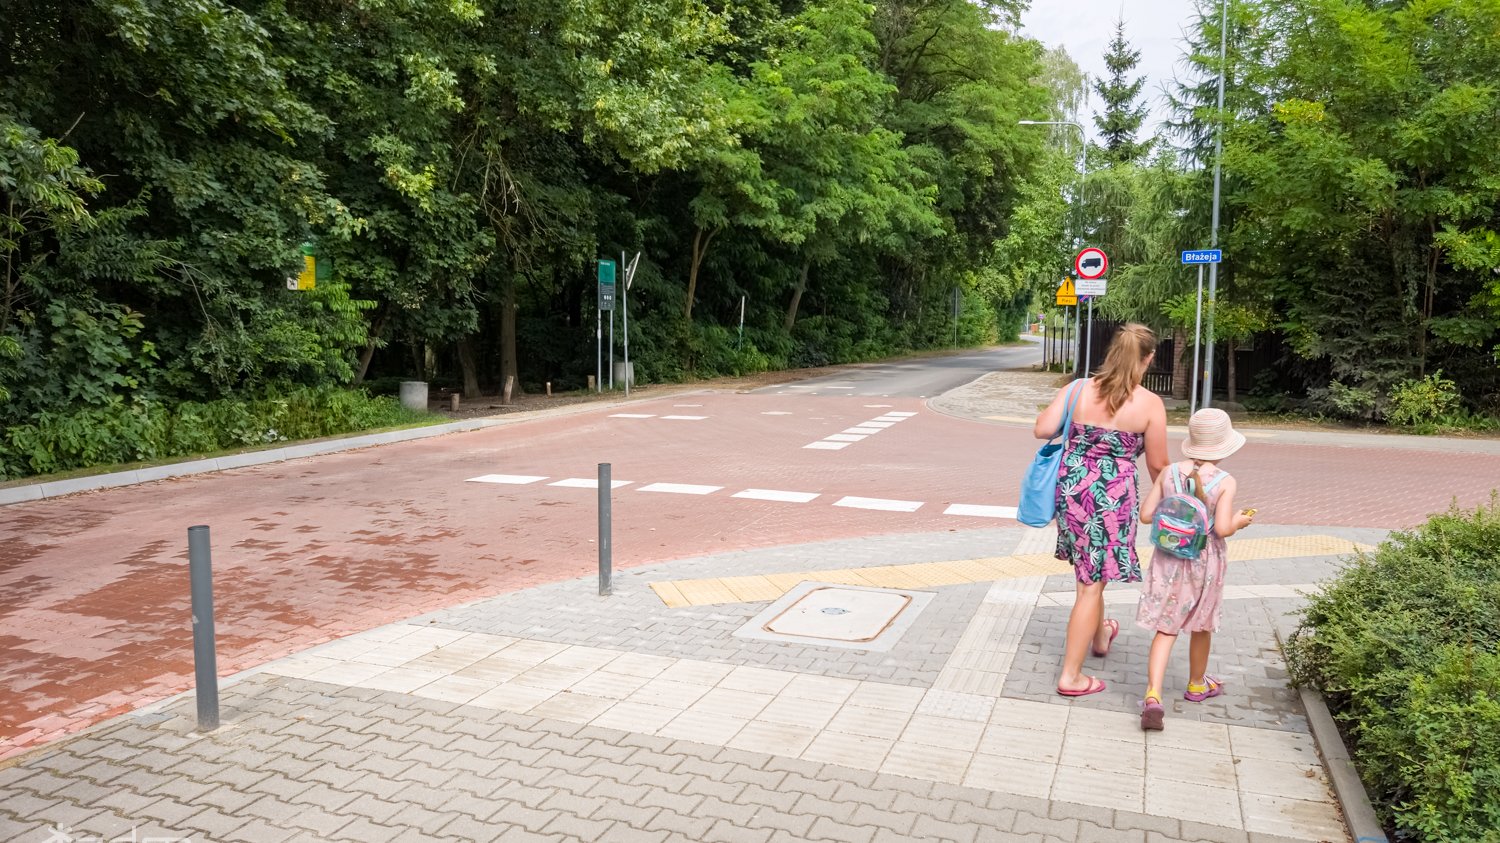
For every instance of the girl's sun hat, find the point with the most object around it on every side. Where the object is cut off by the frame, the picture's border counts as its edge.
(1211, 436)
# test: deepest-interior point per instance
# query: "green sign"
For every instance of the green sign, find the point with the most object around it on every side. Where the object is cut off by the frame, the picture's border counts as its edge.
(606, 284)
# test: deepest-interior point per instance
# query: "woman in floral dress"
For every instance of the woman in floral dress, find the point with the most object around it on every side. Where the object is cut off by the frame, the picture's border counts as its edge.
(1114, 421)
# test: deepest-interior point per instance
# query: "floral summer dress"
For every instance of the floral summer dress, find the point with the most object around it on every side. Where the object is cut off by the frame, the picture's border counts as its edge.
(1097, 504)
(1184, 595)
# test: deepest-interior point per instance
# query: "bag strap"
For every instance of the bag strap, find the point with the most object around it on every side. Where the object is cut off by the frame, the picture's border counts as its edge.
(1067, 424)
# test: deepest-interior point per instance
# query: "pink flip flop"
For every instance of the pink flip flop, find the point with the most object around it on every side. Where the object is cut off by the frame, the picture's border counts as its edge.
(1112, 633)
(1095, 686)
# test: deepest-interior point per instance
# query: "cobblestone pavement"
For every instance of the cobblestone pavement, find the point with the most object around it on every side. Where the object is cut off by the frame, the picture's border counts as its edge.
(552, 713)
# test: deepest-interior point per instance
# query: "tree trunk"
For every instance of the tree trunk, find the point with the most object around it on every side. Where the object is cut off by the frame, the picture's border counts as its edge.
(1182, 375)
(471, 369)
(417, 366)
(700, 247)
(797, 291)
(1229, 368)
(368, 353)
(509, 367)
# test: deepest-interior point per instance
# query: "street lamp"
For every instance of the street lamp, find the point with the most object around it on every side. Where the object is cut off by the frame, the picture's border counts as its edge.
(1213, 237)
(1082, 148)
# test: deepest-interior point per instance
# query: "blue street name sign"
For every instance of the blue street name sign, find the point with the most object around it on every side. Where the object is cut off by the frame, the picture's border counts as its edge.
(1202, 256)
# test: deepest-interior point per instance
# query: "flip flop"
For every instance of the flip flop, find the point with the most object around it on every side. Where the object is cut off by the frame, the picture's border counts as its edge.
(1095, 686)
(1112, 633)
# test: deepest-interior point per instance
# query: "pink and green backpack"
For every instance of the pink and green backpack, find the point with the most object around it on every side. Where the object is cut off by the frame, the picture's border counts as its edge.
(1183, 524)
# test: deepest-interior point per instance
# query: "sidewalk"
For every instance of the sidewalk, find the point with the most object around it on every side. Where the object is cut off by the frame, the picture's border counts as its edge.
(1012, 398)
(555, 714)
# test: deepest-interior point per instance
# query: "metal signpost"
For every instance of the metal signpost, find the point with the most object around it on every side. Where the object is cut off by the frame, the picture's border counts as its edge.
(1067, 297)
(606, 302)
(1091, 264)
(625, 314)
(1199, 257)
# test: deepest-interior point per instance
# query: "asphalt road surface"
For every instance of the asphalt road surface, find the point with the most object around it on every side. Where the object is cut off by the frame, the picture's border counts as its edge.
(918, 378)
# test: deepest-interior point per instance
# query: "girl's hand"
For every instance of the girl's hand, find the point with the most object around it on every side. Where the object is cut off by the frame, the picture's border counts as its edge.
(1244, 519)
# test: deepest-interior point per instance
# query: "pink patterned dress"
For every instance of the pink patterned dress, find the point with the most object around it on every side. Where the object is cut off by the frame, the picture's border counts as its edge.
(1097, 504)
(1185, 595)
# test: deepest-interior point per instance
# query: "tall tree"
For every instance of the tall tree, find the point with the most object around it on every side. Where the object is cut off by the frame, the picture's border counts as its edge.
(1121, 119)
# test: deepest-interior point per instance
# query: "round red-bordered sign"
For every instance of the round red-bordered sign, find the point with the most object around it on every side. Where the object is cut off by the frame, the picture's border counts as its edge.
(1091, 263)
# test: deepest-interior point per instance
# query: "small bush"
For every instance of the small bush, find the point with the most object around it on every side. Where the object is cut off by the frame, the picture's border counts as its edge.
(1423, 400)
(129, 431)
(1405, 644)
(1346, 402)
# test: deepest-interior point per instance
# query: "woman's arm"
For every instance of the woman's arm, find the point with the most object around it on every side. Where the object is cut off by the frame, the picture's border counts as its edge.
(1049, 423)
(1153, 498)
(1156, 438)
(1227, 521)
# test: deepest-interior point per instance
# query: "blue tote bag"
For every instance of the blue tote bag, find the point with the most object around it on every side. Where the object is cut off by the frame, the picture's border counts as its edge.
(1039, 485)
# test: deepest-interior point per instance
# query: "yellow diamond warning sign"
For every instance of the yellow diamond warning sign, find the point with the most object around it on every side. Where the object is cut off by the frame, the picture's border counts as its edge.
(1067, 296)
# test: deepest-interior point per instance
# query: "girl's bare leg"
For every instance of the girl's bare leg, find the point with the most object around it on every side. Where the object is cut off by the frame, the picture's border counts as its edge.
(1156, 663)
(1198, 651)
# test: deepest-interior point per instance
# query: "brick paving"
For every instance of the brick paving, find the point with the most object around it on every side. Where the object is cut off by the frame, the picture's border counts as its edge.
(553, 714)
(310, 550)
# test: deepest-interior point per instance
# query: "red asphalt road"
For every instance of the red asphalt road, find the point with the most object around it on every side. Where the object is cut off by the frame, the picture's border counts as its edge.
(95, 619)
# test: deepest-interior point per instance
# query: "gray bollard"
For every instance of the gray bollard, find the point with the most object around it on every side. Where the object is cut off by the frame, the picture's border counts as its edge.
(606, 564)
(205, 664)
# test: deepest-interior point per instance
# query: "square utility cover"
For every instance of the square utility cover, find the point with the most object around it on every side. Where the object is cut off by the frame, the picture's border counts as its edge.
(830, 615)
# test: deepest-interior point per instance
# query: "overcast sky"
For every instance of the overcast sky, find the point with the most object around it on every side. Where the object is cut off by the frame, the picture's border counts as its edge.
(1084, 27)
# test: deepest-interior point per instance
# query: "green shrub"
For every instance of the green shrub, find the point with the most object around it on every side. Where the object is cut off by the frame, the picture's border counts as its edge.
(1404, 645)
(123, 431)
(1423, 400)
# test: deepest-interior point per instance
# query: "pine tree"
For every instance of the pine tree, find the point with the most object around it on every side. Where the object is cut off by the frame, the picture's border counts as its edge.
(1122, 116)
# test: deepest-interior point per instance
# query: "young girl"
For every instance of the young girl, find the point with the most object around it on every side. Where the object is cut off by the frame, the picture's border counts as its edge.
(1183, 595)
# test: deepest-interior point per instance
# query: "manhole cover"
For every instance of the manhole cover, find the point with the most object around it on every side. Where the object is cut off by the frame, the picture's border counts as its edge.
(831, 615)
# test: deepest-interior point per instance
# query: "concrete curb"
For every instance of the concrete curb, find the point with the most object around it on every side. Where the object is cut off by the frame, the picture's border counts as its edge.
(58, 488)
(1359, 814)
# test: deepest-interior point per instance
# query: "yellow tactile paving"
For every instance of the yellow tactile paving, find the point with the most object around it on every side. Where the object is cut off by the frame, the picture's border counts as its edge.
(670, 595)
(750, 589)
(753, 589)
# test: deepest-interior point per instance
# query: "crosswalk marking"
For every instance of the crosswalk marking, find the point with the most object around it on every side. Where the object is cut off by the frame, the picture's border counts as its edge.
(981, 511)
(588, 483)
(685, 418)
(775, 495)
(843, 437)
(511, 479)
(827, 446)
(867, 431)
(883, 504)
(680, 488)
(632, 415)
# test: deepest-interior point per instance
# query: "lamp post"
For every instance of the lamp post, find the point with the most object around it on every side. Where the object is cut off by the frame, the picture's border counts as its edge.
(1213, 237)
(1078, 199)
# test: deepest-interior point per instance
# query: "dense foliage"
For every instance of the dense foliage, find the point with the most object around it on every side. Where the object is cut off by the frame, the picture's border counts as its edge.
(1405, 645)
(1361, 196)
(844, 168)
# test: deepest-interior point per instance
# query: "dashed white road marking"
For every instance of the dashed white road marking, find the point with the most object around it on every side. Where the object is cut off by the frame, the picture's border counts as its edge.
(680, 488)
(880, 424)
(849, 501)
(877, 407)
(882, 504)
(863, 429)
(843, 437)
(776, 413)
(775, 495)
(903, 415)
(827, 446)
(981, 511)
(632, 415)
(685, 418)
(838, 387)
(588, 483)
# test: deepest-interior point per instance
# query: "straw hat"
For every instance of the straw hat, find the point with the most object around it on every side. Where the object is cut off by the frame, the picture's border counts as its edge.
(1211, 436)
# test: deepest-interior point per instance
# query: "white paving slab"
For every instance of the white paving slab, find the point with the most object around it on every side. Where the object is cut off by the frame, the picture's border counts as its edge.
(882, 504)
(775, 495)
(977, 511)
(679, 488)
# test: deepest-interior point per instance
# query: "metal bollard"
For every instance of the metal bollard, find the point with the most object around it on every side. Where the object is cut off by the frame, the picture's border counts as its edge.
(205, 663)
(606, 571)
